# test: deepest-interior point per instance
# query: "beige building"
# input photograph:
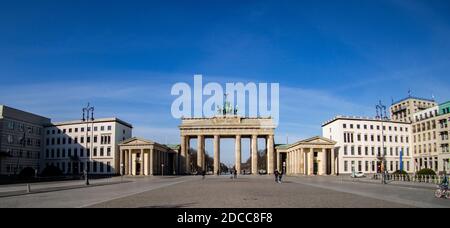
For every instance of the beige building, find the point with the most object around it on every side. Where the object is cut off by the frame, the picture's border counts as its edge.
(430, 138)
(314, 156)
(141, 157)
(425, 139)
(226, 126)
(405, 109)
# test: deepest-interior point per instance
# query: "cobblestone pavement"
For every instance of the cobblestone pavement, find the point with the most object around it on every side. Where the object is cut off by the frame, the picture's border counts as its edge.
(83, 197)
(244, 192)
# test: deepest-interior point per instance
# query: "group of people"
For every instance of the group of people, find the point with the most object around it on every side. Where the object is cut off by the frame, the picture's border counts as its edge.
(278, 176)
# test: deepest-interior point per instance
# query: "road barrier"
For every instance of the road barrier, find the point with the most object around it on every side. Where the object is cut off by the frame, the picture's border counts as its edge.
(429, 179)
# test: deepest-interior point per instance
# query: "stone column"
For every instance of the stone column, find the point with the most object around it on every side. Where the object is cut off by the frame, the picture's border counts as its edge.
(124, 162)
(270, 155)
(237, 149)
(279, 162)
(188, 159)
(311, 161)
(183, 152)
(120, 162)
(130, 163)
(216, 155)
(254, 154)
(200, 152)
(142, 162)
(296, 165)
(150, 162)
(292, 161)
(302, 161)
(323, 162)
(288, 163)
(333, 162)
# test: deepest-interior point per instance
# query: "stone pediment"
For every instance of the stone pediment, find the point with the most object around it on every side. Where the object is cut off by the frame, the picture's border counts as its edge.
(314, 141)
(318, 140)
(136, 141)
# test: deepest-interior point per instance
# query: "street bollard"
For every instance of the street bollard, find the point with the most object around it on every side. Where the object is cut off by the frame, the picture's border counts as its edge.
(28, 188)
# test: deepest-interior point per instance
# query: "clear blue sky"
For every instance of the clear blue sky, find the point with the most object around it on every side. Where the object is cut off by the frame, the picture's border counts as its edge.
(330, 57)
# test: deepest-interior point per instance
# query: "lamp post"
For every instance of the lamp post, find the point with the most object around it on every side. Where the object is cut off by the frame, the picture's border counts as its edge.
(382, 115)
(88, 116)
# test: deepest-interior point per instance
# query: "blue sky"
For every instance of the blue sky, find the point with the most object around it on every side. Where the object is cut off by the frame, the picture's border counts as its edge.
(330, 57)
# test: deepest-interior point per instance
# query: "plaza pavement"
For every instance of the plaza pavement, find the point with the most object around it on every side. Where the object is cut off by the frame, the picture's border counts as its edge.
(244, 192)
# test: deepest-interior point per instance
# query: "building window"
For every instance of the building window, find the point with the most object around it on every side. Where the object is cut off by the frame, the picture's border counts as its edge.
(11, 125)
(108, 151)
(108, 167)
(345, 166)
(101, 151)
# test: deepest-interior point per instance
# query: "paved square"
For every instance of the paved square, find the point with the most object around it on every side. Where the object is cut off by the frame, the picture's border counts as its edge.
(223, 192)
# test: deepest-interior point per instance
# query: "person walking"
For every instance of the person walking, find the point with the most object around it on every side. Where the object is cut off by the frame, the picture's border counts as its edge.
(280, 177)
(203, 174)
(276, 173)
(235, 173)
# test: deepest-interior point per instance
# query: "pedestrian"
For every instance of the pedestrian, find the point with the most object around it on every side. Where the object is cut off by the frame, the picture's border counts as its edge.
(276, 176)
(235, 173)
(203, 174)
(280, 177)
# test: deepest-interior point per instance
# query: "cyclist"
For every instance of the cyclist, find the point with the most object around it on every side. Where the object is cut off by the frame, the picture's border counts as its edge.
(444, 183)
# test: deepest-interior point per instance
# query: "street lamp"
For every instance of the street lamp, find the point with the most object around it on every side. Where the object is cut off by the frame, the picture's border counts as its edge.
(382, 115)
(88, 116)
(162, 169)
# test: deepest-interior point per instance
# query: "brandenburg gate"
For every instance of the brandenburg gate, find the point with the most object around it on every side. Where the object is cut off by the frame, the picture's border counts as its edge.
(227, 125)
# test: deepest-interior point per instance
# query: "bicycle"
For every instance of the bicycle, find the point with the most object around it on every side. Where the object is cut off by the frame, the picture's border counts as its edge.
(442, 192)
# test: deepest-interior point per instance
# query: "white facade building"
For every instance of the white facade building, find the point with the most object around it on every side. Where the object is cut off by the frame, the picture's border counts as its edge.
(360, 143)
(76, 145)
